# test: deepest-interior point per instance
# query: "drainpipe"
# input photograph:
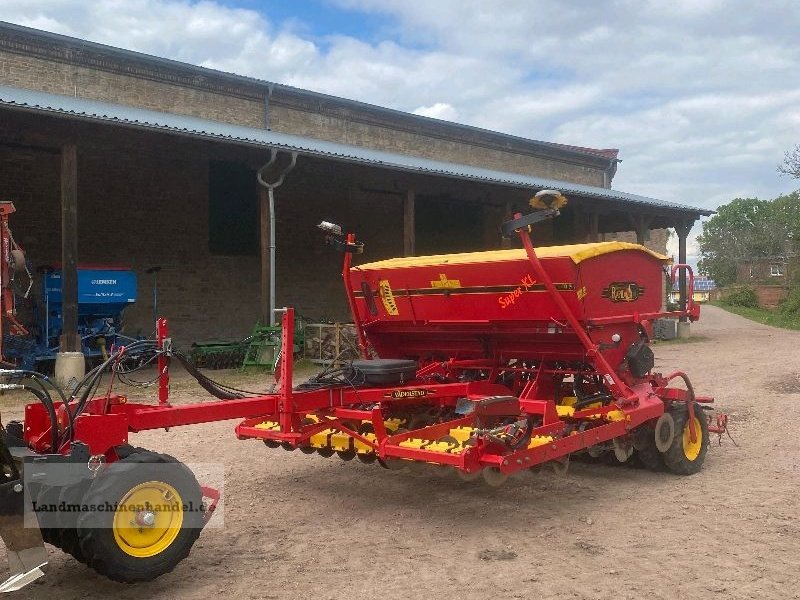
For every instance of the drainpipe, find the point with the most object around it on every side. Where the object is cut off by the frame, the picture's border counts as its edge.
(610, 171)
(270, 248)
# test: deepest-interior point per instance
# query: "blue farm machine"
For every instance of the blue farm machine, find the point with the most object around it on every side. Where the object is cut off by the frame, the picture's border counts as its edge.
(103, 295)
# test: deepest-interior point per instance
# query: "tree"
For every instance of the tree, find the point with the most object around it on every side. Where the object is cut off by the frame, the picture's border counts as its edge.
(791, 163)
(748, 228)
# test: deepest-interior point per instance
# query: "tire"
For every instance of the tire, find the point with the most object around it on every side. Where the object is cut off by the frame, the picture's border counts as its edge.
(47, 495)
(67, 534)
(130, 554)
(646, 452)
(684, 457)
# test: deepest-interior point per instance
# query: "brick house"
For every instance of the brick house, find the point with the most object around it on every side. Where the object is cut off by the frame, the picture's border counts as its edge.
(166, 160)
(770, 276)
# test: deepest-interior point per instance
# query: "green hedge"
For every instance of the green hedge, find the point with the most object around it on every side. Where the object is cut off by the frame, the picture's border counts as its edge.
(743, 296)
(791, 306)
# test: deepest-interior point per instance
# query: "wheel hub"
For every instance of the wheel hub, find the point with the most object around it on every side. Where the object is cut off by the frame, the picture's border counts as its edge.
(148, 518)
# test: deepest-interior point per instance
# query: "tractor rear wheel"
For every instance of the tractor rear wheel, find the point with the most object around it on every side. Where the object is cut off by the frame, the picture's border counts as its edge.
(149, 515)
(684, 456)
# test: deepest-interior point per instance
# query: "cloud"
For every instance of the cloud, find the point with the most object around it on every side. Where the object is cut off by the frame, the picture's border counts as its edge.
(700, 96)
(439, 110)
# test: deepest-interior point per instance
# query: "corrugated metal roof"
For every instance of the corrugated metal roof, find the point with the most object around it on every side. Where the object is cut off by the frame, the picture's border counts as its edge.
(83, 108)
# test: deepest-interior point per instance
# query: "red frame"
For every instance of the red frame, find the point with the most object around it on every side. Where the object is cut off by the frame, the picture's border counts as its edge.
(107, 421)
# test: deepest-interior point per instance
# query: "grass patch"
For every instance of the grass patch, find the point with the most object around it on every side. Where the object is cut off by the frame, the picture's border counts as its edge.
(692, 339)
(774, 318)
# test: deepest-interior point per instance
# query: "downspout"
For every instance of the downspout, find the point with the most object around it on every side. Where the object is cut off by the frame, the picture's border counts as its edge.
(610, 171)
(270, 193)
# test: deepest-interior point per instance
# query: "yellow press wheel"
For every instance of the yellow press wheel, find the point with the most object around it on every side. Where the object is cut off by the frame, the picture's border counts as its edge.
(149, 514)
(686, 453)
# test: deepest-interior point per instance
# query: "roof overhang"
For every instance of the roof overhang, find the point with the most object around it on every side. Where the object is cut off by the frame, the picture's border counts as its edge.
(128, 116)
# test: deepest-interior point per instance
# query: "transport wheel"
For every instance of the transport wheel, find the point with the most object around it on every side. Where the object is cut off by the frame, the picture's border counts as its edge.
(685, 457)
(644, 441)
(156, 515)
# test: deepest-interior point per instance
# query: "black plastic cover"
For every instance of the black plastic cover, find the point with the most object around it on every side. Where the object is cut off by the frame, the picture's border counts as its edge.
(382, 371)
(640, 359)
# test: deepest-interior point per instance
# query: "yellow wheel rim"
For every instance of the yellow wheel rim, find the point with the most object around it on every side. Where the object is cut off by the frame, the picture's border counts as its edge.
(148, 519)
(692, 449)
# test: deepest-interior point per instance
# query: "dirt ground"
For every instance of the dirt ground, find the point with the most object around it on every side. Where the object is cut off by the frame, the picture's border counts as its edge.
(300, 526)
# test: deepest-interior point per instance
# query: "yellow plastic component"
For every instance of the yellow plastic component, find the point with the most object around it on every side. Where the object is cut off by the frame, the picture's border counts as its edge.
(321, 439)
(446, 447)
(341, 441)
(565, 411)
(414, 443)
(393, 424)
(363, 448)
(462, 434)
(164, 505)
(539, 440)
(616, 415)
(692, 449)
(568, 401)
(269, 425)
(576, 252)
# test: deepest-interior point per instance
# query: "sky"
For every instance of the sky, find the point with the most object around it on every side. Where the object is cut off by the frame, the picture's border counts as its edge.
(702, 97)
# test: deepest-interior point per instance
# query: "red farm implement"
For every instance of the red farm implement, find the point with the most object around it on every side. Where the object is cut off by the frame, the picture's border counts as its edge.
(484, 363)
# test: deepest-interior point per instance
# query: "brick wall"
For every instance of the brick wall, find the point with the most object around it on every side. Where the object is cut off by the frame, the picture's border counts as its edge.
(656, 242)
(391, 139)
(760, 271)
(770, 296)
(66, 79)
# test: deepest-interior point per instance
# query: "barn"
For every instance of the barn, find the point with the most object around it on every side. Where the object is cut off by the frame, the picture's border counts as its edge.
(116, 157)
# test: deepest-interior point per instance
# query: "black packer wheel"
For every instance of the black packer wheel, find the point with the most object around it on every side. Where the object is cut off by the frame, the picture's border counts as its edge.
(644, 441)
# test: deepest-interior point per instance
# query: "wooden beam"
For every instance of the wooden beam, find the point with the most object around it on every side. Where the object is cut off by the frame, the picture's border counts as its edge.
(507, 242)
(70, 341)
(409, 233)
(594, 226)
(641, 225)
(682, 229)
(263, 204)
